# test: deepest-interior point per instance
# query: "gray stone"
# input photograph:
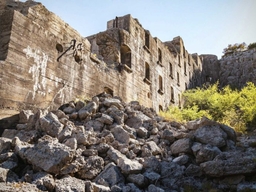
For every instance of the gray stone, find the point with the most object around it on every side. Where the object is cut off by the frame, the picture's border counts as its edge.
(68, 184)
(168, 135)
(142, 132)
(138, 179)
(71, 142)
(24, 116)
(106, 119)
(128, 166)
(92, 167)
(9, 133)
(204, 152)
(151, 176)
(44, 181)
(155, 150)
(181, 160)
(193, 170)
(224, 163)
(111, 176)
(5, 144)
(246, 187)
(153, 188)
(7, 175)
(181, 146)
(29, 136)
(48, 155)
(120, 134)
(65, 133)
(50, 125)
(212, 135)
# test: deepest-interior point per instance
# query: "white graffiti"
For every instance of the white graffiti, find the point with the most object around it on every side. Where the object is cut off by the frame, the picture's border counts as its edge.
(38, 70)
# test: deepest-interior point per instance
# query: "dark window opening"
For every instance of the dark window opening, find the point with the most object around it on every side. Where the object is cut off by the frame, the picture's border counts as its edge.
(178, 79)
(126, 56)
(179, 100)
(208, 78)
(147, 39)
(59, 48)
(159, 56)
(147, 71)
(160, 108)
(171, 70)
(186, 86)
(115, 23)
(109, 91)
(160, 81)
(179, 61)
(147, 74)
(185, 68)
(172, 95)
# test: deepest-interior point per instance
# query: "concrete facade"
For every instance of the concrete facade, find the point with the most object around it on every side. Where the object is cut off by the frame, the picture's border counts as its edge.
(45, 62)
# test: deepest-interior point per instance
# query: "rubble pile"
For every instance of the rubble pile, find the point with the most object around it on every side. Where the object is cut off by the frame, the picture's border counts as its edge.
(108, 145)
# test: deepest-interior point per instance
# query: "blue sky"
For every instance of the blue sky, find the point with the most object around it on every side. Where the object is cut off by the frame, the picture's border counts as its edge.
(206, 26)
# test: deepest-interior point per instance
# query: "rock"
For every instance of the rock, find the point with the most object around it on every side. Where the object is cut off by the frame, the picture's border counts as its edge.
(224, 163)
(117, 115)
(24, 116)
(181, 146)
(50, 125)
(65, 133)
(138, 179)
(193, 170)
(130, 187)
(142, 132)
(152, 177)
(5, 144)
(69, 110)
(29, 136)
(204, 121)
(181, 160)
(44, 181)
(105, 119)
(49, 155)
(9, 133)
(120, 134)
(112, 101)
(212, 135)
(229, 131)
(171, 173)
(128, 166)
(246, 187)
(92, 167)
(155, 150)
(69, 183)
(71, 142)
(153, 188)
(168, 135)
(18, 186)
(7, 175)
(93, 187)
(89, 109)
(204, 152)
(110, 176)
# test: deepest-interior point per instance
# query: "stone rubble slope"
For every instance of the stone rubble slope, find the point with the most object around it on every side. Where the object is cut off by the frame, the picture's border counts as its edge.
(108, 145)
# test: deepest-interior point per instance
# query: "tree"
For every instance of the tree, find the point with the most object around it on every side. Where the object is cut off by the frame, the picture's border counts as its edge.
(234, 48)
(252, 45)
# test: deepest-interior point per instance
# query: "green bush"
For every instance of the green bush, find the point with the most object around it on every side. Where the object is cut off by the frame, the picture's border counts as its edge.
(236, 108)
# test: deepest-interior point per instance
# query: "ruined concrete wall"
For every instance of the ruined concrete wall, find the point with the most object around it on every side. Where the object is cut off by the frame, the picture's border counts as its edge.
(211, 68)
(32, 77)
(238, 68)
(171, 67)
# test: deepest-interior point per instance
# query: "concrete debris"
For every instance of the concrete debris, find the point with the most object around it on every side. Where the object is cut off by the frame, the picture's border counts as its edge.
(114, 146)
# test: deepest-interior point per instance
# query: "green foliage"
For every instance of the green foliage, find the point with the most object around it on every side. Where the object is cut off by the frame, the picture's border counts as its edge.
(235, 108)
(252, 45)
(234, 48)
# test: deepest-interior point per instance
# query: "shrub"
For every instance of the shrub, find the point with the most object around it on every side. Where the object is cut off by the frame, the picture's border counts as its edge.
(235, 108)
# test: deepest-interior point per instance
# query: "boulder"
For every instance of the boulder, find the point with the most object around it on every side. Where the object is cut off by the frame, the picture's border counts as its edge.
(48, 154)
(212, 135)
(181, 146)
(68, 183)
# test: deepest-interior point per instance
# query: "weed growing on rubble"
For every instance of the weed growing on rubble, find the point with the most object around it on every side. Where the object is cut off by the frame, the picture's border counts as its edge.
(235, 108)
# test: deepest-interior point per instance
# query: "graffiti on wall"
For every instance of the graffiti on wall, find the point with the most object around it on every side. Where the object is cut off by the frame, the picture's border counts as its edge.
(38, 70)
